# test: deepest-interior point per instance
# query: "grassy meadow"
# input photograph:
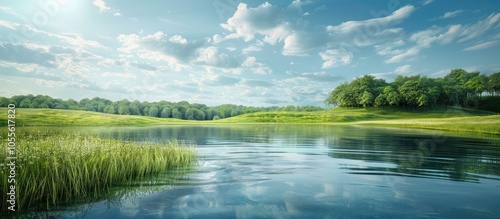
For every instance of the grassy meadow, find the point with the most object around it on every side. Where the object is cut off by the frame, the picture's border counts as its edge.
(60, 167)
(56, 117)
(441, 118)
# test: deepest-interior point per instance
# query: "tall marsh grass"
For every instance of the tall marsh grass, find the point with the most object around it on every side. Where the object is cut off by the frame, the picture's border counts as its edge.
(55, 168)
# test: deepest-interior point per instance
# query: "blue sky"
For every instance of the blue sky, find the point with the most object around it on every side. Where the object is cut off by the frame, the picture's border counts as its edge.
(255, 53)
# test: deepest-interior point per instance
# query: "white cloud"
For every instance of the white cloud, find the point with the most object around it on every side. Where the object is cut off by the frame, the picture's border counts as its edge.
(369, 32)
(27, 54)
(426, 2)
(389, 48)
(251, 48)
(484, 45)
(175, 50)
(451, 14)
(266, 20)
(405, 69)
(101, 5)
(300, 43)
(6, 24)
(413, 51)
(211, 56)
(335, 57)
(480, 27)
(254, 66)
(426, 38)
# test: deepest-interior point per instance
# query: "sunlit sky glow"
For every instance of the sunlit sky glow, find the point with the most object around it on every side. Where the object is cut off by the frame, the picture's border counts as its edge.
(254, 53)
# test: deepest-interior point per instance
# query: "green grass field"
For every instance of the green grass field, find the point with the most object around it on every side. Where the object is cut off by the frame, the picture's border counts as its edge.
(55, 117)
(452, 118)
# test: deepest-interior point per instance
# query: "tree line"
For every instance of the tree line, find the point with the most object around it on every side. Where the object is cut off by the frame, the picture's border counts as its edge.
(459, 87)
(162, 109)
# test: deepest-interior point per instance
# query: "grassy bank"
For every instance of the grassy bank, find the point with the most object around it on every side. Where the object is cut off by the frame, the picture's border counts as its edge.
(54, 168)
(437, 118)
(55, 117)
(346, 115)
(477, 124)
(449, 119)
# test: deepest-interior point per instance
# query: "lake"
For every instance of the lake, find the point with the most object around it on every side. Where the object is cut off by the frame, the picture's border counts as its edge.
(316, 171)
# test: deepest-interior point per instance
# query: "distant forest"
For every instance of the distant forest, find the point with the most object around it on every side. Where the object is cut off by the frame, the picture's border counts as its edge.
(459, 87)
(163, 109)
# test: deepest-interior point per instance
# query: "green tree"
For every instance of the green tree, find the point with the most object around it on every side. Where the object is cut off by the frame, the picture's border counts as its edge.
(110, 109)
(367, 99)
(381, 100)
(134, 109)
(493, 83)
(63, 105)
(47, 104)
(123, 109)
(176, 114)
(4, 102)
(166, 112)
(153, 111)
(199, 114)
(25, 103)
(101, 106)
(190, 114)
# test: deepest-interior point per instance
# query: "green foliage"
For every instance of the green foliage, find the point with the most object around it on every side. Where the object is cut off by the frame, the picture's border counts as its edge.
(176, 114)
(166, 112)
(153, 111)
(59, 167)
(163, 109)
(123, 109)
(458, 87)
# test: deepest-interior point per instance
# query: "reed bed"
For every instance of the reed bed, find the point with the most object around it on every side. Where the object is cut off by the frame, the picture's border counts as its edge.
(56, 168)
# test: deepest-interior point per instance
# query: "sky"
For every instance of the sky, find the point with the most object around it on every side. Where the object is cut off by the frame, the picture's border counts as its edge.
(253, 53)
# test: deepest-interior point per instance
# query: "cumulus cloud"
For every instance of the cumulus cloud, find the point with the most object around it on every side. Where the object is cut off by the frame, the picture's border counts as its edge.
(175, 50)
(254, 66)
(300, 43)
(266, 20)
(27, 54)
(335, 57)
(211, 56)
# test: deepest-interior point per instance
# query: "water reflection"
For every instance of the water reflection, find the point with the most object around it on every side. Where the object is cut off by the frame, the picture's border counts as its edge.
(305, 171)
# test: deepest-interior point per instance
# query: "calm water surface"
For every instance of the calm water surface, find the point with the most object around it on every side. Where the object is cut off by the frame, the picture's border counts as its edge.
(304, 171)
